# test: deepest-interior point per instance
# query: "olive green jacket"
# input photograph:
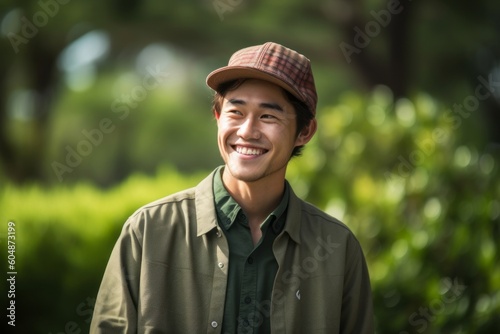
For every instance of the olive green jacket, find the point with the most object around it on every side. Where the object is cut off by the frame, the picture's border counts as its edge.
(168, 272)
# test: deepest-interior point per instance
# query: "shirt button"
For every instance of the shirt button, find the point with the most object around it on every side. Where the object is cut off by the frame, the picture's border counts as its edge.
(214, 324)
(250, 260)
(221, 265)
(218, 234)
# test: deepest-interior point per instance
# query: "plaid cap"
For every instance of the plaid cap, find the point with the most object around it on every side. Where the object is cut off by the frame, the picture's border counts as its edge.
(274, 63)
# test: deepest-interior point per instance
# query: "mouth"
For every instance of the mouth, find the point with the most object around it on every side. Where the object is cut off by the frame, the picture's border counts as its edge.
(249, 151)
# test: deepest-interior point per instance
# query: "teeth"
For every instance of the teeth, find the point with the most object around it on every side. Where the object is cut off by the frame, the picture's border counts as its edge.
(249, 151)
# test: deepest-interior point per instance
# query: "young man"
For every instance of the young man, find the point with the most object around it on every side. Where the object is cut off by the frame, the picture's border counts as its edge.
(240, 253)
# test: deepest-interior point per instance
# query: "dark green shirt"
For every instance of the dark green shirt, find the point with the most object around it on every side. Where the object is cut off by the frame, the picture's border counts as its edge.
(252, 269)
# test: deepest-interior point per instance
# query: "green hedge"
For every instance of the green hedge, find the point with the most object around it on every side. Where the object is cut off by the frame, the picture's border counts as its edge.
(422, 197)
(64, 237)
(420, 188)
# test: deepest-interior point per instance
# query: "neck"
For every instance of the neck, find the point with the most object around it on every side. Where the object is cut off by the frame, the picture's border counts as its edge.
(257, 199)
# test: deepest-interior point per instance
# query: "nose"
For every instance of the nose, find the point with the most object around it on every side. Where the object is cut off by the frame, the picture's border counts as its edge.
(248, 129)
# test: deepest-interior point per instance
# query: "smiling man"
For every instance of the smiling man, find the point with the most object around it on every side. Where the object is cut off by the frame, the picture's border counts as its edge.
(240, 252)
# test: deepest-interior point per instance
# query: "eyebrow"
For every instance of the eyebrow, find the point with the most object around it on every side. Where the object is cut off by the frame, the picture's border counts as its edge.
(264, 105)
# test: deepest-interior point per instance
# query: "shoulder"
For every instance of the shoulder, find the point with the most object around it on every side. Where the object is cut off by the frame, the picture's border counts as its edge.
(166, 203)
(178, 209)
(169, 210)
(315, 223)
(180, 197)
(319, 227)
(316, 215)
(182, 200)
(311, 214)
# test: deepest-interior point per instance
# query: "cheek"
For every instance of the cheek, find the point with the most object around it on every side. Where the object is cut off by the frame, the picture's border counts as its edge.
(283, 136)
(220, 136)
(225, 127)
(223, 132)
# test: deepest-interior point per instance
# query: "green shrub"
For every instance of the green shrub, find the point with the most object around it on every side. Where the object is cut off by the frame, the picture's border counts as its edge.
(64, 237)
(423, 200)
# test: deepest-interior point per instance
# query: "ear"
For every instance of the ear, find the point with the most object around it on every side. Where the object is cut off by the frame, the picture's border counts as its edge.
(216, 114)
(307, 133)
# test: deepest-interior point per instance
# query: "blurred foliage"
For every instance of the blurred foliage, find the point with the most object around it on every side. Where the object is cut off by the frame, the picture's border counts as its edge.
(415, 179)
(163, 127)
(424, 205)
(64, 63)
(64, 237)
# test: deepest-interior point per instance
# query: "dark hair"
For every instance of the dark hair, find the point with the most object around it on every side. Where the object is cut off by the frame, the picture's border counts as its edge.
(303, 115)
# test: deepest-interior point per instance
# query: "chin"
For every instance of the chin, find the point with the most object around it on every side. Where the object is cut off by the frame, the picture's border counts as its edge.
(240, 174)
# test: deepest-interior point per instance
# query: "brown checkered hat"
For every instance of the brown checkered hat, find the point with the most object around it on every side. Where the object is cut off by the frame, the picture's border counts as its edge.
(274, 63)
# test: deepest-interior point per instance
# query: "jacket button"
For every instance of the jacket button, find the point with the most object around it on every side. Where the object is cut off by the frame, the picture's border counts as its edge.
(221, 265)
(214, 324)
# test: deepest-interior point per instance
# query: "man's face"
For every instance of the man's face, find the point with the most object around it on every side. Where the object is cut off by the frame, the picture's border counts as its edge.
(257, 131)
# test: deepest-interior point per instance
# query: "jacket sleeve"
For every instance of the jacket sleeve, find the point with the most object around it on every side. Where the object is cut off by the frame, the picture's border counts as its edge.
(357, 304)
(115, 309)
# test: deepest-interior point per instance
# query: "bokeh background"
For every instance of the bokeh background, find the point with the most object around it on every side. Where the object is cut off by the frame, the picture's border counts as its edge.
(103, 108)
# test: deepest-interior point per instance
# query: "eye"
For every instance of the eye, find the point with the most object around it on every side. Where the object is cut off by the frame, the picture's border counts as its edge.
(268, 116)
(234, 111)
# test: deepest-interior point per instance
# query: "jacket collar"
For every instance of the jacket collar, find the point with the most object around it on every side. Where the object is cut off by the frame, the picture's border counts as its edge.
(206, 216)
(228, 209)
(293, 218)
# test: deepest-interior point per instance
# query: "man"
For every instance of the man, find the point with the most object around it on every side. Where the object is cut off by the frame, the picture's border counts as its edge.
(240, 253)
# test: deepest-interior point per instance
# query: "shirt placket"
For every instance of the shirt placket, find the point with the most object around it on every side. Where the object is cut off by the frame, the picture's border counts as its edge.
(247, 317)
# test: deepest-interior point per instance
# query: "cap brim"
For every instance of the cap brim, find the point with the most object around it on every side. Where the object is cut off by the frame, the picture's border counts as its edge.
(228, 73)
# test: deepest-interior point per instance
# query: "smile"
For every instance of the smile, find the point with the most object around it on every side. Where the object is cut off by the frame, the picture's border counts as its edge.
(249, 150)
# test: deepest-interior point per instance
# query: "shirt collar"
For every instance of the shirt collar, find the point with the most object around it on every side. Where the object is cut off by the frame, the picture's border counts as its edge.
(228, 209)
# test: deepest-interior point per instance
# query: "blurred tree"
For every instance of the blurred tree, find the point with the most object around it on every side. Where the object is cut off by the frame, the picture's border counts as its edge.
(436, 46)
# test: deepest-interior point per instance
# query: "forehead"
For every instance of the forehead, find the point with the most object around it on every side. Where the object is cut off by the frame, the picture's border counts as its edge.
(254, 90)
